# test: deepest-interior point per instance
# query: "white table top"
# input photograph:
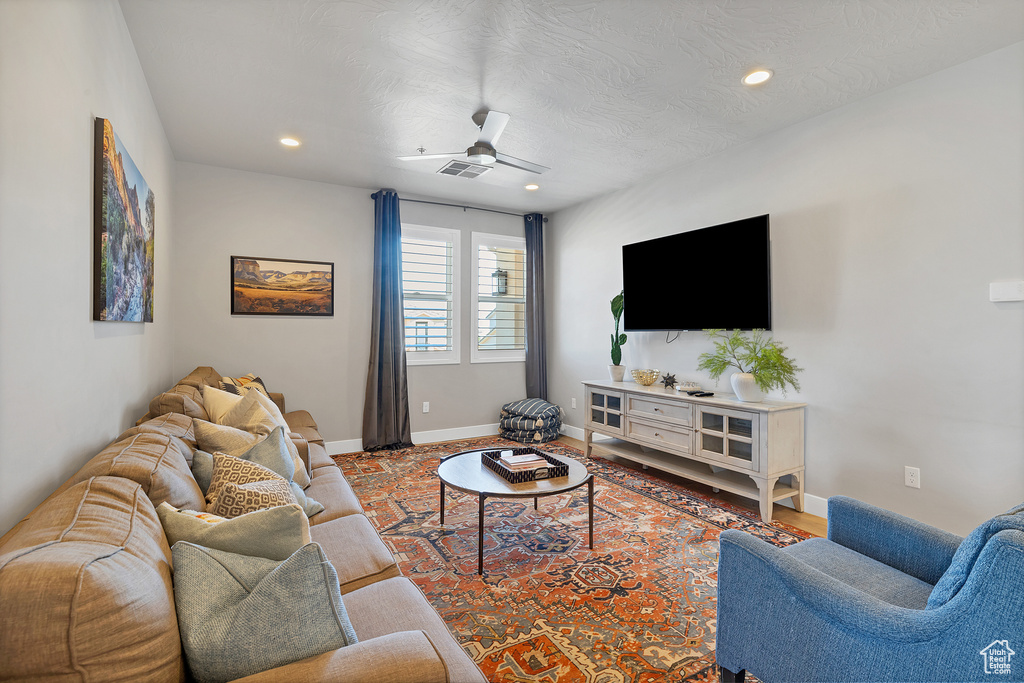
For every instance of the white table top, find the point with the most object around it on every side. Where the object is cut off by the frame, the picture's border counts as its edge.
(465, 472)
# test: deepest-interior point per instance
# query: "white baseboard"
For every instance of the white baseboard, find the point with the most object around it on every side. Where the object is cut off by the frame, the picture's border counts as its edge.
(430, 436)
(815, 505)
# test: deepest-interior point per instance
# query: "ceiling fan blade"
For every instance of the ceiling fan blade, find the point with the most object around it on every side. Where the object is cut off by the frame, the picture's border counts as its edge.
(416, 157)
(519, 163)
(493, 126)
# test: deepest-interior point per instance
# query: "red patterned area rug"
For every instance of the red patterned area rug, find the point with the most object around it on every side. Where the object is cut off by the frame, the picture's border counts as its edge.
(639, 607)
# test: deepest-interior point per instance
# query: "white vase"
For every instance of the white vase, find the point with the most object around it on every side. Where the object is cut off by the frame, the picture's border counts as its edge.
(616, 372)
(745, 387)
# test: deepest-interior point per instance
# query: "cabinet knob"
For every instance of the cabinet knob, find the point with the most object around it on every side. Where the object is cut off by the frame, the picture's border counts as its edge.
(657, 410)
(657, 434)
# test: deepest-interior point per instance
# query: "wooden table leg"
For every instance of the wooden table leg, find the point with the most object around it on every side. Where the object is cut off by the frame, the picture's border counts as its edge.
(534, 503)
(480, 550)
(590, 496)
(442, 502)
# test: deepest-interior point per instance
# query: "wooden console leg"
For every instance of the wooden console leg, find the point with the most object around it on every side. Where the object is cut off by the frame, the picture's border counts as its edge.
(766, 487)
(798, 498)
(588, 439)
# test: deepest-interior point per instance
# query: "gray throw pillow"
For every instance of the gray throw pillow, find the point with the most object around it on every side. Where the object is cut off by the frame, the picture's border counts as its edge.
(202, 469)
(241, 615)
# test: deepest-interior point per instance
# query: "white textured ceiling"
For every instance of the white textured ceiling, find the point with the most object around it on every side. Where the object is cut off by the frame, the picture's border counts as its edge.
(605, 93)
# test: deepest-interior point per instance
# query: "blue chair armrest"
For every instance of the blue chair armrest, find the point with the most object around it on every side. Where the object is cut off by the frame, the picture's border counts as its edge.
(914, 548)
(746, 559)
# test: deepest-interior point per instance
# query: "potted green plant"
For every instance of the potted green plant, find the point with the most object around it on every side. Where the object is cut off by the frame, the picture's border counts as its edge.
(617, 370)
(762, 363)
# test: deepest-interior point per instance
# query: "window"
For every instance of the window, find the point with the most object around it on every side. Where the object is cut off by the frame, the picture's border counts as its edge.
(430, 288)
(499, 298)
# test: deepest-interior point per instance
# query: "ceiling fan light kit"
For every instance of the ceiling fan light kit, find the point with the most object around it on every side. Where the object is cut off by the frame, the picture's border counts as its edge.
(480, 154)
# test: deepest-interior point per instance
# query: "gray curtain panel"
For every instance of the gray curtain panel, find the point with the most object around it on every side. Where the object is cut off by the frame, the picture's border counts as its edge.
(536, 350)
(386, 409)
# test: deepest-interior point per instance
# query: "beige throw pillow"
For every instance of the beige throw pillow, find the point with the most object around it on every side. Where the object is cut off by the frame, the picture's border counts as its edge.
(274, 533)
(212, 438)
(218, 403)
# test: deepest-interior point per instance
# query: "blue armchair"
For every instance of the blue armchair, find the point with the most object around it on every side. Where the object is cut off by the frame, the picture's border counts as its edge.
(883, 598)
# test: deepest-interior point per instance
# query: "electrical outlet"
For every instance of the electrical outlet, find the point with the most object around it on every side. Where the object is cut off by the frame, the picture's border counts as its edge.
(574, 403)
(912, 477)
(426, 406)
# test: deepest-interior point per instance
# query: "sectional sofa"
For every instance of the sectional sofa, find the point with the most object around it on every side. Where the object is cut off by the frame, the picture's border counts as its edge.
(86, 579)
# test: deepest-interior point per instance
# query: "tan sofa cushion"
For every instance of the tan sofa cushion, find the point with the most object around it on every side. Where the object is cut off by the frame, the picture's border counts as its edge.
(181, 399)
(372, 562)
(407, 657)
(318, 458)
(397, 605)
(172, 424)
(202, 376)
(85, 590)
(330, 488)
(153, 461)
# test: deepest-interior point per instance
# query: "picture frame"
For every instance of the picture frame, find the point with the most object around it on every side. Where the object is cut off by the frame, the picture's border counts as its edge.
(277, 286)
(124, 217)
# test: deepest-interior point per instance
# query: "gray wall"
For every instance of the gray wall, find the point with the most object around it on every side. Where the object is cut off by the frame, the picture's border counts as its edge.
(889, 219)
(69, 385)
(318, 363)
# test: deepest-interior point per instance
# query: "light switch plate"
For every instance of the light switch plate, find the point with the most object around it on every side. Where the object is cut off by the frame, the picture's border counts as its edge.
(1006, 291)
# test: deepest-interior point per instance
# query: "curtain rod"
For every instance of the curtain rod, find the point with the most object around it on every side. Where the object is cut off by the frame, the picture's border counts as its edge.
(463, 207)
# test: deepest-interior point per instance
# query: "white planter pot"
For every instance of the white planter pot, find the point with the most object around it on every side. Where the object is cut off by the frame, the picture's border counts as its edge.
(745, 387)
(616, 372)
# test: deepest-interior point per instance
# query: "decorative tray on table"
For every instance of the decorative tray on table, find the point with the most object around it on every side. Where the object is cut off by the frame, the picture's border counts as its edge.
(492, 460)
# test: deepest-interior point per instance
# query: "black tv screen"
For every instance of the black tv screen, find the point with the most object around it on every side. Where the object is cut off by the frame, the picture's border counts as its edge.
(726, 282)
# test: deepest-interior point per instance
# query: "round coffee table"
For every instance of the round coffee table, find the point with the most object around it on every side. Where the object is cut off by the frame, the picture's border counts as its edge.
(465, 472)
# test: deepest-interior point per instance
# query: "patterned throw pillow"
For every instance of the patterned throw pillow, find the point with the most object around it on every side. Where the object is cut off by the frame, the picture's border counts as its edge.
(229, 469)
(235, 385)
(238, 499)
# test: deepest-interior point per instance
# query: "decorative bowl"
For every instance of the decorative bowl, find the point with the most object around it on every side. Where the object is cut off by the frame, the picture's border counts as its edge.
(646, 377)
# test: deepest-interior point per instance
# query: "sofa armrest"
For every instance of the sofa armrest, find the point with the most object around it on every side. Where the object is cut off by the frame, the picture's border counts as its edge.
(403, 657)
(302, 446)
(278, 399)
(300, 418)
(914, 548)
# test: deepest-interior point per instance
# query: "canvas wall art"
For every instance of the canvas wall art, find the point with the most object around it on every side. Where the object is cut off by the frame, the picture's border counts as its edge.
(124, 210)
(263, 286)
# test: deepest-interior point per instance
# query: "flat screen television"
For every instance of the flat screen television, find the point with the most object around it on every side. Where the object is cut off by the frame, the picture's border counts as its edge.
(726, 282)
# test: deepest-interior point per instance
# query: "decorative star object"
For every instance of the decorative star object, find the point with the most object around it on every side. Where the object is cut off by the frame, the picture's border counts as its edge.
(668, 380)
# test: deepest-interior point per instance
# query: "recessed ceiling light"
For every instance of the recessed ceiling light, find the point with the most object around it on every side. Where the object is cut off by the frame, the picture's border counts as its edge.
(531, 187)
(290, 142)
(757, 77)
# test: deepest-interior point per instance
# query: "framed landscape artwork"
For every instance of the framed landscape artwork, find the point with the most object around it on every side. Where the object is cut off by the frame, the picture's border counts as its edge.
(263, 286)
(123, 225)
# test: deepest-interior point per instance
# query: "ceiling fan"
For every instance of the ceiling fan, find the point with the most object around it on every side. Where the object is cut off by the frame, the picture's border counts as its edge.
(491, 125)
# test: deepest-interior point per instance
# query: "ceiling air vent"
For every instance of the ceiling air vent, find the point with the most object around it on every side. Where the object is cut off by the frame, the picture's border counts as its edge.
(463, 169)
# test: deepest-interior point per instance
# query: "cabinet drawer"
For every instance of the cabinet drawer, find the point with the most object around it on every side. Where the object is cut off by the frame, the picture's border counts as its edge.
(668, 411)
(659, 435)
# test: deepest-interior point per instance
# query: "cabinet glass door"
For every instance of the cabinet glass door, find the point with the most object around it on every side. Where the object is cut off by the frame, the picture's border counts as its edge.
(606, 411)
(728, 436)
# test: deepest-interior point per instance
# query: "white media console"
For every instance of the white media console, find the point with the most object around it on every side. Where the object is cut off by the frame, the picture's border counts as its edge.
(755, 450)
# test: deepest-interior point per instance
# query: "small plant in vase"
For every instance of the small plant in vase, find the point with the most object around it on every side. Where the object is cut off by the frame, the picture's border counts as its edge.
(762, 363)
(617, 370)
